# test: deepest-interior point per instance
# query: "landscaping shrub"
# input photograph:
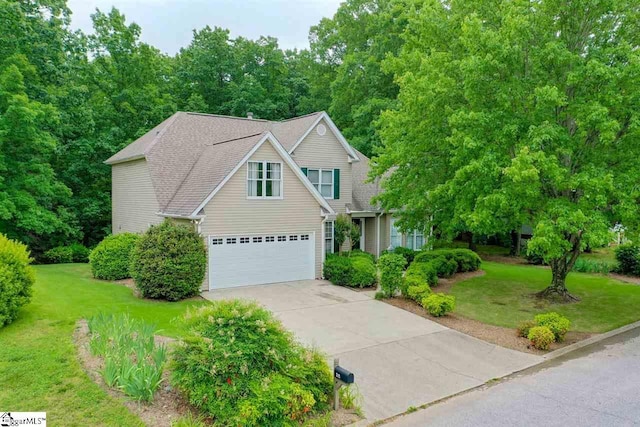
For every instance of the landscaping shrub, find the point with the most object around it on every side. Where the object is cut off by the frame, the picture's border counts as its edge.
(64, 254)
(628, 257)
(58, 255)
(423, 271)
(16, 278)
(467, 260)
(524, 327)
(428, 256)
(169, 262)
(419, 292)
(391, 267)
(444, 267)
(592, 266)
(354, 269)
(364, 272)
(110, 259)
(240, 366)
(541, 337)
(408, 254)
(439, 304)
(557, 323)
(337, 269)
(132, 360)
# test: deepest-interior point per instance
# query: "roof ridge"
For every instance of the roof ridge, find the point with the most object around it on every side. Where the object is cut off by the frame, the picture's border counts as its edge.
(234, 139)
(299, 117)
(225, 117)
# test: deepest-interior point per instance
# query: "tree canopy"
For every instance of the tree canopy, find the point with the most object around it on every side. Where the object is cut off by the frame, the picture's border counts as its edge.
(517, 112)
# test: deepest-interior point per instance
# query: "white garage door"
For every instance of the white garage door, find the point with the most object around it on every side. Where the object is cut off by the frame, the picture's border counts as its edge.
(251, 259)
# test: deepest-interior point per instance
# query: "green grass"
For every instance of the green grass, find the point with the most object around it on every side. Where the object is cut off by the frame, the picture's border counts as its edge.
(38, 362)
(503, 297)
(601, 254)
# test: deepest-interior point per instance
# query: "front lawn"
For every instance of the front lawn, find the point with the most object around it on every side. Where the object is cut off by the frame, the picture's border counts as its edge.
(38, 363)
(503, 297)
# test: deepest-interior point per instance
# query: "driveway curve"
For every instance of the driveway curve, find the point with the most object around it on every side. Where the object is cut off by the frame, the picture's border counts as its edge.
(399, 359)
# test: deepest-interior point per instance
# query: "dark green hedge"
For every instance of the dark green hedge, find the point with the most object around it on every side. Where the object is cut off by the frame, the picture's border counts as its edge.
(169, 262)
(354, 269)
(110, 259)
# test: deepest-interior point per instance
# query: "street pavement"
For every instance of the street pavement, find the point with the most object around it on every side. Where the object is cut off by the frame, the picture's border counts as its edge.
(598, 385)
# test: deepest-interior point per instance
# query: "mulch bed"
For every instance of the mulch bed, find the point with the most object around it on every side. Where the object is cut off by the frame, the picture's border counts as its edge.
(504, 337)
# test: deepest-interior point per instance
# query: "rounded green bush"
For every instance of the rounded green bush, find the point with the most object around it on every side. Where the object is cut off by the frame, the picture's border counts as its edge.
(169, 262)
(419, 292)
(541, 337)
(79, 252)
(467, 260)
(524, 328)
(364, 272)
(110, 259)
(338, 270)
(438, 305)
(557, 323)
(444, 267)
(240, 366)
(16, 278)
(423, 271)
(628, 257)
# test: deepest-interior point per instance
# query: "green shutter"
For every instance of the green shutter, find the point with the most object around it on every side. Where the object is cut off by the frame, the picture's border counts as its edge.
(336, 183)
(304, 171)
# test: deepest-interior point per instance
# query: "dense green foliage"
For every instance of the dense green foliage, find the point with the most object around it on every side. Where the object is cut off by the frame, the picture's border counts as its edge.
(557, 323)
(541, 337)
(76, 252)
(418, 292)
(258, 373)
(169, 262)
(584, 265)
(408, 254)
(110, 260)
(511, 114)
(465, 259)
(423, 272)
(354, 269)
(16, 279)
(439, 304)
(132, 360)
(391, 267)
(628, 257)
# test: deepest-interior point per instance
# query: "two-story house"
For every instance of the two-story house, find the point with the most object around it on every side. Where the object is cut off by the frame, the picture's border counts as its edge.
(264, 195)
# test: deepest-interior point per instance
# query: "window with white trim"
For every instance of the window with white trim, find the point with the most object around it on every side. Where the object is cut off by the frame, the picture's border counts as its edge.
(264, 180)
(415, 240)
(328, 237)
(322, 179)
(396, 236)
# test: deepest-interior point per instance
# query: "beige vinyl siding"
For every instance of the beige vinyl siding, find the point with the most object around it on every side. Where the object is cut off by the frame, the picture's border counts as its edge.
(370, 235)
(230, 212)
(385, 231)
(326, 152)
(133, 200)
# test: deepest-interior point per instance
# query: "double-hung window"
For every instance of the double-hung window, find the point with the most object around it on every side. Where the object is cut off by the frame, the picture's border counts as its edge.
(415, 240)
(264, 180)
(396, 236)
(328, 237)
(322, 179)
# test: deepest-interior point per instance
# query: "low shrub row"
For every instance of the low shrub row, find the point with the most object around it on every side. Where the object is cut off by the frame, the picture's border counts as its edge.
(238, 365)
(592, 266)
(406, 253)
(16, 278)
(465, 259)
(355, 269)
(545, 329)
(132, 361)
(65, 254)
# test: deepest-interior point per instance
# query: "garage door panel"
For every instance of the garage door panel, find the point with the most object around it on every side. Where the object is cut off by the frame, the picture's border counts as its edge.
(244, 260)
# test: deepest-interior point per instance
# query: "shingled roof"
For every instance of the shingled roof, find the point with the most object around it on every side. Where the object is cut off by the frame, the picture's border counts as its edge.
(190, 154)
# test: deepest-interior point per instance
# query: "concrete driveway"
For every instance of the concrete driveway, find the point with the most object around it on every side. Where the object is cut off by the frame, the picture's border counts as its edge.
(399, 359)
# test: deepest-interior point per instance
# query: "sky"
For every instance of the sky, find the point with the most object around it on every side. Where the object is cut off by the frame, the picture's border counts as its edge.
(168, 24)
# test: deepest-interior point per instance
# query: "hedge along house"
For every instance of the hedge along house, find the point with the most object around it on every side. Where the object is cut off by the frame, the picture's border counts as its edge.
(264, 195)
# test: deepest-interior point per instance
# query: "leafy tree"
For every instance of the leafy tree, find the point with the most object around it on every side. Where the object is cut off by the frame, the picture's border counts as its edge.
(513, 112)
(32, 199)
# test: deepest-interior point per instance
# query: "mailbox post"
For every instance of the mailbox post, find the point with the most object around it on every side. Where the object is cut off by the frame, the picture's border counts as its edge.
(340, 377)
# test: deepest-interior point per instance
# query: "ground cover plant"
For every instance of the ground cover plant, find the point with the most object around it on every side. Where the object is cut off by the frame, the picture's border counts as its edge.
(256, 373)
(40, 341)
(132, 361)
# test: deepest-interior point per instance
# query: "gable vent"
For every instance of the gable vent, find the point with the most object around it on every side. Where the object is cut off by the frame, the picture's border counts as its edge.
(321, 129)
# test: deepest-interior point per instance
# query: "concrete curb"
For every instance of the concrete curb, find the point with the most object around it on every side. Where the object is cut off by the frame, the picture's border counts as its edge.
(589, 341)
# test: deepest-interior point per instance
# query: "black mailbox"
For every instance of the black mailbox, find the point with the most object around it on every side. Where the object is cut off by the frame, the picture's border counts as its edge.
(343, 375)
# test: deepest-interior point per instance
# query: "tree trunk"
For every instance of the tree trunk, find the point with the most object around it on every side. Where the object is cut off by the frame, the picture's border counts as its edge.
(560, 268)
(515, 243)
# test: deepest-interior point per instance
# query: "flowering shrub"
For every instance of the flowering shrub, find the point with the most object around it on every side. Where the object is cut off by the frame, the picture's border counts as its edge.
(239, 365)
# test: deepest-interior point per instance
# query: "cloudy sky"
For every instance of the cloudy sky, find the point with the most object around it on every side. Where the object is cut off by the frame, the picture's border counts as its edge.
(168, 24)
